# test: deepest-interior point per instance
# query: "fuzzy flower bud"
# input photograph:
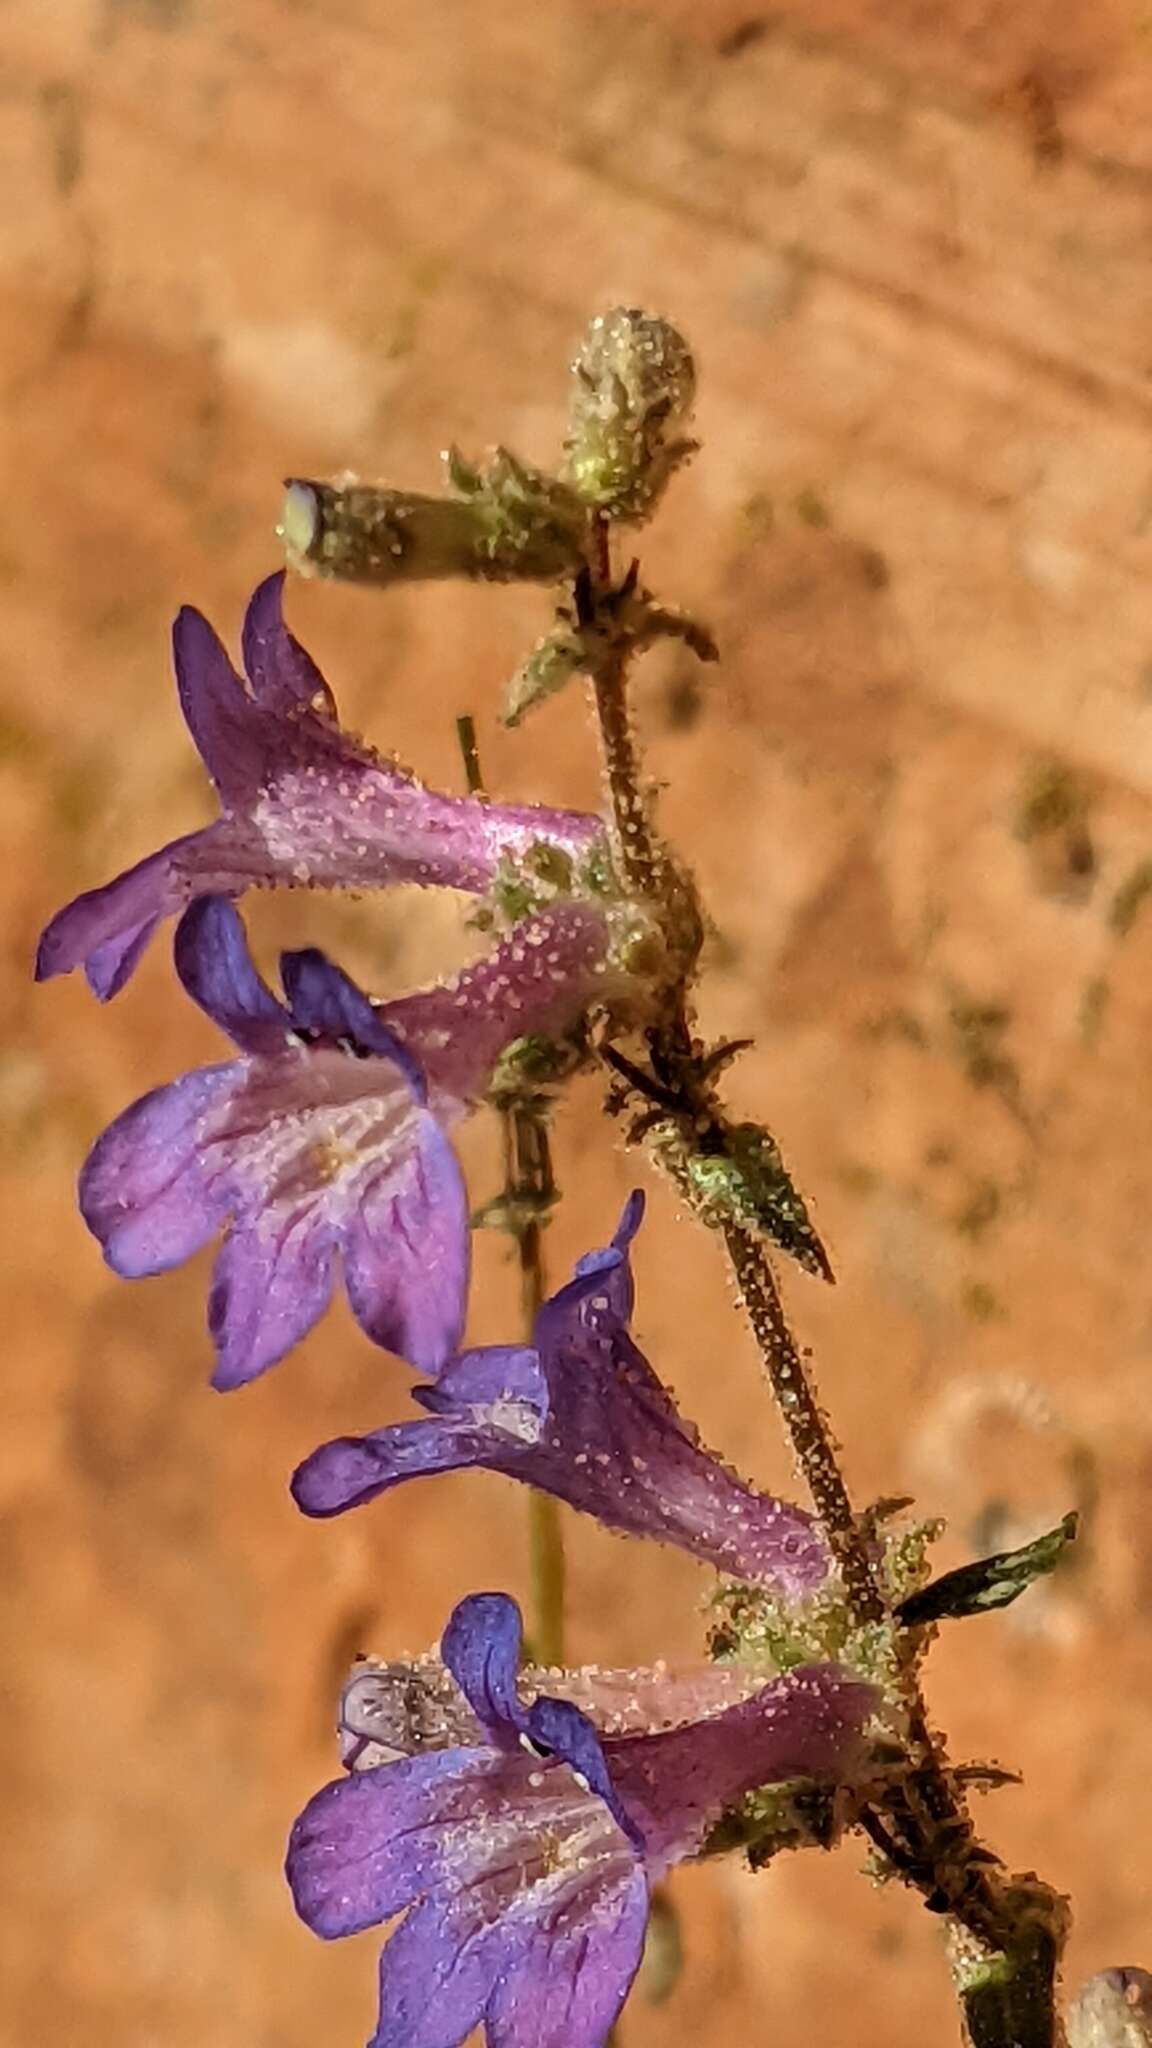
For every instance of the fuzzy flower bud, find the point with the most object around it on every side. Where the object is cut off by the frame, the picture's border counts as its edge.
(634, 383)
(503, 522)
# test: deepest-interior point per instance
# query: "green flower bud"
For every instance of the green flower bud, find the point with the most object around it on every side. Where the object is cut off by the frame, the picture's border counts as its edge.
(505, 522)
(633, 386)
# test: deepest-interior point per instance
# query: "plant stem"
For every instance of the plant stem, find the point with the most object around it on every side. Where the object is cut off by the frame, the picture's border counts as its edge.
(650, 873)
(1006, 1932)
(812, 1442)
(642, 860)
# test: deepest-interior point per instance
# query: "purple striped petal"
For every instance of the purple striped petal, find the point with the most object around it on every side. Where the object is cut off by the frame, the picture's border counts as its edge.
(142, 1190)
(566, 1986)
(272, 1281)
(407, 1252)
(437, 1977)
(306, 1151)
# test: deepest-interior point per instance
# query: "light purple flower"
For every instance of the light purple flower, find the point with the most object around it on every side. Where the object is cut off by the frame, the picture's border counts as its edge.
(582, 1415)
(302, 801)
(326, 1137)
(522, 1861)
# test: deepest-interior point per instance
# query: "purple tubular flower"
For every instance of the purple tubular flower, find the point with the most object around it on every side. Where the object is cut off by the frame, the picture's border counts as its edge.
(392, 1710)
(582, 1415)
(522, 1860)
(325, 1137)
(302, 801)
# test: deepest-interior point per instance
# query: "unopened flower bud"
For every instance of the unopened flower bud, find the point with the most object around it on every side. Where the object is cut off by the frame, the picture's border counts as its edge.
(633, 386)
(505, 522)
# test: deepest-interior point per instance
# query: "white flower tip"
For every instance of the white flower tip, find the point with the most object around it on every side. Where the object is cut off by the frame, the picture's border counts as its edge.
(299, 524)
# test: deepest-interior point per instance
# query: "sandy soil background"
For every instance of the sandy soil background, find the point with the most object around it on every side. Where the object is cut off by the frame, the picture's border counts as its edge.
(245, 238)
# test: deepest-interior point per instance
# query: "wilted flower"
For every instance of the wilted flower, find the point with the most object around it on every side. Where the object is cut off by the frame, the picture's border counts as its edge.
(326, 1136)
(302, 801)
(582, 1415)
(521, 1860)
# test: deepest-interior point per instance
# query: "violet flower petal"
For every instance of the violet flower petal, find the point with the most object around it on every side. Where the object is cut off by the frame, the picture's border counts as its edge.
(368, 1845)
(485, 1847)
(481, 1648)
(436, 1978)
(303, 802)
(283, 677)
(326, 1004)
(271, 1282)
(584, 1417)
(217, 970)
(566, 1987)
(142, 1191)
(306, 1150)
(407, 1249)
(234, 741)
(107, 929)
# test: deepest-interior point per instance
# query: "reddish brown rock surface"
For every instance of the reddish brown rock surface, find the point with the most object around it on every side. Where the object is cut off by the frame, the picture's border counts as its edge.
(248, 239)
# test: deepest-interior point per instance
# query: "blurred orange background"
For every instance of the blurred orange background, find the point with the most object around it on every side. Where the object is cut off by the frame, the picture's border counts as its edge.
(246, 238)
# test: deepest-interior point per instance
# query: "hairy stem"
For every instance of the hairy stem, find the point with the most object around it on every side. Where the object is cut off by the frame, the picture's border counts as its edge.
(642, 860)
(1006, 1932)
(807, 1426)
(650, 873)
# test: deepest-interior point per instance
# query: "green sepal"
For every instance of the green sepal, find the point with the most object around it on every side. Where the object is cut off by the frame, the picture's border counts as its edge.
(554, 660)
(532, 1064)
(799, 1814)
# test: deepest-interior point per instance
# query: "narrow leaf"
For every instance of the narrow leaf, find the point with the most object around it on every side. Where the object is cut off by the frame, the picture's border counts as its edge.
(990, 1581)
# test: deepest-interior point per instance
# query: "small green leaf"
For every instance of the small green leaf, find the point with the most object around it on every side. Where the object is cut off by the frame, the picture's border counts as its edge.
(990, 1581)
(554, 660)
(748, 1182)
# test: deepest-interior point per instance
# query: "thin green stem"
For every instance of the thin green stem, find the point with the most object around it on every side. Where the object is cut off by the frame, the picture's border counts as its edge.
(470, 753)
